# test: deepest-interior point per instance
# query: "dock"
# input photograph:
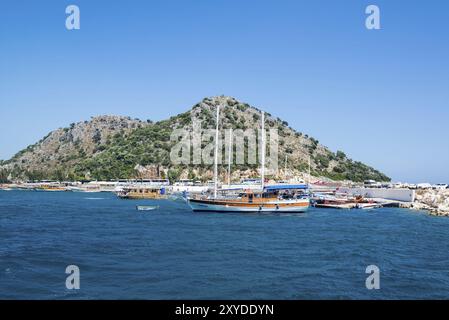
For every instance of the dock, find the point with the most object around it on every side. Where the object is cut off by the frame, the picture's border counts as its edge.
(393, 203)
(336, 206)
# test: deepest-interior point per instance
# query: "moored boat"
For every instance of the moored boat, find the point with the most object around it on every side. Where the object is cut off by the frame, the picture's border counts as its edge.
(333, 202)
(5, 187)
(53, 188)
(275, 198)
(142, 192)
(271, 199)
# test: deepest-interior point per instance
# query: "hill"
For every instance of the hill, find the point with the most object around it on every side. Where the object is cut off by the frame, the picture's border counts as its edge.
(111, 147)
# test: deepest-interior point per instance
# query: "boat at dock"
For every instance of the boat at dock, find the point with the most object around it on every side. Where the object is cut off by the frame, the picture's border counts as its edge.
(334, 202)
(271, 199)
(142, 192)
(369, 205)
(275, 198)
(50, 188)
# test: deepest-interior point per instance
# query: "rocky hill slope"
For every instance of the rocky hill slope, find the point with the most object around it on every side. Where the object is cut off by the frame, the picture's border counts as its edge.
(62, 149)
(110, 147)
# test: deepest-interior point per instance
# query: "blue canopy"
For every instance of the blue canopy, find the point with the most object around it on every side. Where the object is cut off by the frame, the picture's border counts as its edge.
(286, 187)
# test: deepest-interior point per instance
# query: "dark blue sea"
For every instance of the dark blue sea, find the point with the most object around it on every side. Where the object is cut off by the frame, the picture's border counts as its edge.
(173, 253)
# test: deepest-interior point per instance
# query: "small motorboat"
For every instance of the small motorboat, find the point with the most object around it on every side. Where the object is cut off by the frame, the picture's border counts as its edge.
(147, 208)
(367, 206)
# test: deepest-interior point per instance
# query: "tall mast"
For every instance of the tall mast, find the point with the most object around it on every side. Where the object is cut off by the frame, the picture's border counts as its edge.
(285, 167)
(229, 157)
(216, 155)
(309, 170)
(263, 151)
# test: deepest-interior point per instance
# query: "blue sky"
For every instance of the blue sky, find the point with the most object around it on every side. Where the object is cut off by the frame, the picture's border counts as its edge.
(382, 96)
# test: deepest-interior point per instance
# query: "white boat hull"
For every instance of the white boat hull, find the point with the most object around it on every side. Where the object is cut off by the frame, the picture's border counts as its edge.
(271, 207)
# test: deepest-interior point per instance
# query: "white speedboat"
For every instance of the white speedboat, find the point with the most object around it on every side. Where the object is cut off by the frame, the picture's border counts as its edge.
(147, 208)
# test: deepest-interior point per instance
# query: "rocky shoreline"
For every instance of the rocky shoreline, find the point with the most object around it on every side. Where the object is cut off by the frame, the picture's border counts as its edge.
(436, 202)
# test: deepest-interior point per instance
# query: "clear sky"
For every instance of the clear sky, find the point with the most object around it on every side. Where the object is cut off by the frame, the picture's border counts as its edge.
(382, 96)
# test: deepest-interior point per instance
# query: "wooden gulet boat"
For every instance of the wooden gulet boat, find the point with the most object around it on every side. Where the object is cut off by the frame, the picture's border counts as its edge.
(281, 198)
(53, 188)
(141, 192)
(269, 200)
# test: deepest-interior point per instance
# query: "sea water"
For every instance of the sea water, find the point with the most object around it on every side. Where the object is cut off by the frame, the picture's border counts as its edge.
(173, 253)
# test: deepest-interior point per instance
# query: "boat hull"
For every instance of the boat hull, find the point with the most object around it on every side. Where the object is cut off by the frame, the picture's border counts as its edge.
(213, 206)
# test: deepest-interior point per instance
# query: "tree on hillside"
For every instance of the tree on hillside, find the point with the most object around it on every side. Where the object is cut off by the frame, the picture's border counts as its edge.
(4, 176)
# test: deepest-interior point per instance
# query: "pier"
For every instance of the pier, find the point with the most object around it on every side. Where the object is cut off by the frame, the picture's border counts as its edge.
(401, 195)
